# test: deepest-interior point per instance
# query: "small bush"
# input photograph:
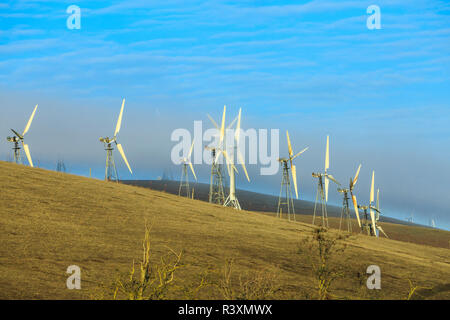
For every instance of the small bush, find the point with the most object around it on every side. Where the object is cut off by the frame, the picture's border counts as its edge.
(320, 251)
(154, 279)
(259, 285)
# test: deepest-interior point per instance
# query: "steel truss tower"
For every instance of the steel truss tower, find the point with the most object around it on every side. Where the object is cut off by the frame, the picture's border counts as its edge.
(216, 187)
(60, 166)
(110, 171)
(184, 182)
(320, 196)
(17, 154)
(345, 213)
(366, 225)
(287, 200)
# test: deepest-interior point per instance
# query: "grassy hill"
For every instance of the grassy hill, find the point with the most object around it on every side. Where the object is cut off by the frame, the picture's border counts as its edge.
(51, 220)
(251, 201)
(267, 204)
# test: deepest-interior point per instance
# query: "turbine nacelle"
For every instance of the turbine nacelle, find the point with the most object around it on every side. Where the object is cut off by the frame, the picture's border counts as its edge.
(107, 140)
(12, 139)
(185, 160)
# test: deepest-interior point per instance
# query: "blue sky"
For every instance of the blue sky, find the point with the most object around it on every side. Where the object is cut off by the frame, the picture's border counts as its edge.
(311, 67)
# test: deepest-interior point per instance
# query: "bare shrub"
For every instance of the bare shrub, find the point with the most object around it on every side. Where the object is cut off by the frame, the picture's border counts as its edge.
(191, 292)
(414, 291)
(320, 251)
(153, 280)
(259, 285)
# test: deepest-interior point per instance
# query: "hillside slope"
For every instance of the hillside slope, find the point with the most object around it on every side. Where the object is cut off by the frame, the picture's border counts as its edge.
(51, 220)
(251, 201)
(264, 203)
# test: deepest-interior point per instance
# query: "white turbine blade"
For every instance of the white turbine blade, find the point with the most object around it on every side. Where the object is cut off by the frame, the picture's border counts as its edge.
(119, 147)
(333, 179)
(375, 209)
(327, 155)
(226, 159)
(228, 169)
(289, 145)
(372, 217)
(372, 188)
(27, 152)
(241, 160)
(192, 169)
(119, 120)
(294, 179)
(17, 134)
(299, 153)
(222, 127)
(225, 154)
(378, 200)
(192, 148)
(216, 160)
(355, 205)
(29, 121)
(232, 123)
(327, 182)
(352, 184)
(213, 122)
(381, 229)
(238, 128)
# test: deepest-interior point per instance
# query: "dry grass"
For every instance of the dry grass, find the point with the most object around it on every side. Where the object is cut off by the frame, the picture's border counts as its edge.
(51, 220)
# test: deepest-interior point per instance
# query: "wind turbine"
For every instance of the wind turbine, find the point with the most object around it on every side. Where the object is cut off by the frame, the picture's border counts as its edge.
(370, 225)
(216, 187)
(184, 181)
(345, 206)
(286, 183)
(375, 211)
(322, 187)
(231, 200)
(20, 138)
(432, 223)
(111, 171)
